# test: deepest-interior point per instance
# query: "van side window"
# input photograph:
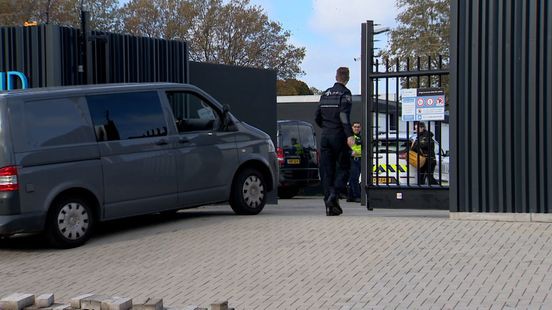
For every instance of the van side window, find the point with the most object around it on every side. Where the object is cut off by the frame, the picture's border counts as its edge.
(52, 122)
(127, 116)
(192, 113)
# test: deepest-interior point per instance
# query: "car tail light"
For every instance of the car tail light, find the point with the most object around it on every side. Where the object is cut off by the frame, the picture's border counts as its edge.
(8, 179)
(280, 155)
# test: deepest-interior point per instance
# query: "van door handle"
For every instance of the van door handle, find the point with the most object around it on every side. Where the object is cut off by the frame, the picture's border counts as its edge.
(161, 142)
(183, 140)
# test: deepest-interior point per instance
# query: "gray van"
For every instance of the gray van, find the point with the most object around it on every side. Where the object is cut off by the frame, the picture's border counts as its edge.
(71, 157)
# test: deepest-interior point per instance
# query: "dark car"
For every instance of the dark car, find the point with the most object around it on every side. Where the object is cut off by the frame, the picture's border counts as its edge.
(298, 157)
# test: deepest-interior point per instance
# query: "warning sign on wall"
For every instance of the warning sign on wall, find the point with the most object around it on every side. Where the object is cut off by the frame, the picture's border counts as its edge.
(423, 104)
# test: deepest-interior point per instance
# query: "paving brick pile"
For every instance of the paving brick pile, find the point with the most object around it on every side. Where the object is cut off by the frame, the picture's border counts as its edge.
(23, 301)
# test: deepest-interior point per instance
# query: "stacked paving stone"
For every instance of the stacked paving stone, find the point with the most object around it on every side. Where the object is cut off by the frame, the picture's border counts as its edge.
(19, 301)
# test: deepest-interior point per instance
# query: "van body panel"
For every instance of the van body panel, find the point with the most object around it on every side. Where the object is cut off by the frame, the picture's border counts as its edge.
(204, 196)
(140, 206)
(206, 161)
(9, 203)
(58, 155)
(135, 170)
(40, 185)
(22, 223)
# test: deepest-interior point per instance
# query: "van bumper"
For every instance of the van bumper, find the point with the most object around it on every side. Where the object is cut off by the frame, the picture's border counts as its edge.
(21, 223)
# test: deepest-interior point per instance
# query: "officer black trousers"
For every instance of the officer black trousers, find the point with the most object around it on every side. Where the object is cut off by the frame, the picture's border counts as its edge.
(335, 163)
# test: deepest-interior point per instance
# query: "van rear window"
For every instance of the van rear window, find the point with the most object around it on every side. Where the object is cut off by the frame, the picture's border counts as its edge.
(288, 135)
(53, 122)
(307, 136)
(127, 116)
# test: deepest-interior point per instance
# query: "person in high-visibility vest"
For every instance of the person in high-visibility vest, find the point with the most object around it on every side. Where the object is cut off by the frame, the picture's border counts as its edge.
(356, 153)
(297, 147)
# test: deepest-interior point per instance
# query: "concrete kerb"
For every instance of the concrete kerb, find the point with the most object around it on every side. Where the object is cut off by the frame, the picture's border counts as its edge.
(502, 217)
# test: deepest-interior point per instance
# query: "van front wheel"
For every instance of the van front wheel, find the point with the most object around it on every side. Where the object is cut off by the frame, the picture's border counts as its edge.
(70, 222)
(248, 195)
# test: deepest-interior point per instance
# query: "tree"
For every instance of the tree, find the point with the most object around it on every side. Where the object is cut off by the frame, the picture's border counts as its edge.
(292, 87)
(229, 32)
(422, 31)
(14, 12)
(315, 91)
(103, 13)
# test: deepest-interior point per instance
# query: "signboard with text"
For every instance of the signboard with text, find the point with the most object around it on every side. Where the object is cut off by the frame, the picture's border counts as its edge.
(423, 104)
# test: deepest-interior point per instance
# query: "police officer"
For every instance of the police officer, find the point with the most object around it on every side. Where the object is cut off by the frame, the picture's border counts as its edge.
(333, 116)
(354, 185)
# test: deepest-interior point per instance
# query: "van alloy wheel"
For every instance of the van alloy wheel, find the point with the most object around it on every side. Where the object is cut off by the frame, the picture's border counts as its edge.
(70, 222)
(73, 221)
(253, 191)
(248, 196)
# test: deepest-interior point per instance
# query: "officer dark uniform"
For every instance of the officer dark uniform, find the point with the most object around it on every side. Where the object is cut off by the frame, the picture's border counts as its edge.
(333, 116)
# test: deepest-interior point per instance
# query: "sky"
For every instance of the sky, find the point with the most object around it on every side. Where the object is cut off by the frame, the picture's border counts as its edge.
(330, 31)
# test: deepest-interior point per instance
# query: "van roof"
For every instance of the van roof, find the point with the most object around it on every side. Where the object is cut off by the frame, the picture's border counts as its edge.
(87, 88)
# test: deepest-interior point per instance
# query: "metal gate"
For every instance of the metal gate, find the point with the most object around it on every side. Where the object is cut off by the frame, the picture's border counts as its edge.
(392, 180)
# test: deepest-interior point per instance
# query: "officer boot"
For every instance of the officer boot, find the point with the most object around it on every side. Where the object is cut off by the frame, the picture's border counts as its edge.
(332, 205)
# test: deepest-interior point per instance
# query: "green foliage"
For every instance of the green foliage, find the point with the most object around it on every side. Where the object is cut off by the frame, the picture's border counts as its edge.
(104, 13)
(225, 32)
(423, 31)
(292, 87)
(232, 32)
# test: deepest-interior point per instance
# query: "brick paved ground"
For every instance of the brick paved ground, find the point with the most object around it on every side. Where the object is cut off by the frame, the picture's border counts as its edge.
(293, 257)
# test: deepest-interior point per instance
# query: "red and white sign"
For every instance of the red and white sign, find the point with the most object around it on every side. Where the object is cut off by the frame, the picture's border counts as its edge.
(430, 102)
(440, 101)
(420, 102)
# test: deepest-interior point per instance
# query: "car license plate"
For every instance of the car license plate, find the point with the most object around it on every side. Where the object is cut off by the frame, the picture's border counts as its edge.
(294, 161)
(383, 180)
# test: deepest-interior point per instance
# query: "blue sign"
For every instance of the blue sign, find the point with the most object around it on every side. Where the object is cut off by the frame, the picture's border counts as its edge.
(7, 80)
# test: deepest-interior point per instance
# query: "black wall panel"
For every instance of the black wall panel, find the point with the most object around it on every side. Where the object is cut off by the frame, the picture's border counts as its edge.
(50, 55)
(250, 93)
(501, 119)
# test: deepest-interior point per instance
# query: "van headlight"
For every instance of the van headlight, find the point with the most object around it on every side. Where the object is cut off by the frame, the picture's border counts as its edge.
(271, 148)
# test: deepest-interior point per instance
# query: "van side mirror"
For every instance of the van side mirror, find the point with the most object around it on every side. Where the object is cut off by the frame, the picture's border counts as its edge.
(226, 120)
(447, 153)
(225, 109)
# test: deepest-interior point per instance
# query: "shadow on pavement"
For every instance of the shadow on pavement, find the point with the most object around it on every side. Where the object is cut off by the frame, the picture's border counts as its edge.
(127, 228)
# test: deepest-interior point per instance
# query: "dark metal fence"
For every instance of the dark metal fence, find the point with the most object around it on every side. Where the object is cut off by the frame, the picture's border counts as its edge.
(502, 118)
(391, 179)
(50, 55)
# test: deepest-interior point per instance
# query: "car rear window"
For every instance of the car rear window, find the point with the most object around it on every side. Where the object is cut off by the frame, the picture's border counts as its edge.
(288, 135)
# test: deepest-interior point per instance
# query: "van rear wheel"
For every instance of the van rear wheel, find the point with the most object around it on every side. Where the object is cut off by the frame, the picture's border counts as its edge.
(70, 222)
(248, 195)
